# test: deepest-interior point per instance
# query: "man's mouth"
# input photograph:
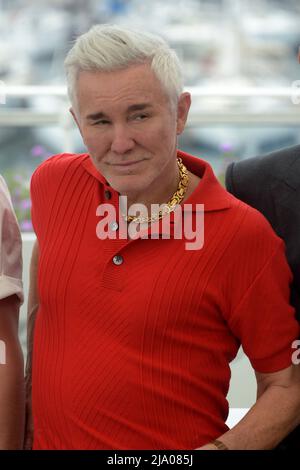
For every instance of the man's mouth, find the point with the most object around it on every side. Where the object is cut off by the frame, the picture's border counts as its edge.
(124, 164)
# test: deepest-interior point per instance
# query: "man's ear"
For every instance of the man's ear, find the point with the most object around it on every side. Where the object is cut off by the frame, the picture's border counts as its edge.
(183, 108)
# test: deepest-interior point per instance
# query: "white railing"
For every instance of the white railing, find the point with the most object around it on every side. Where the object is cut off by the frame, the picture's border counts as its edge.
(202, 113)
(225, 91)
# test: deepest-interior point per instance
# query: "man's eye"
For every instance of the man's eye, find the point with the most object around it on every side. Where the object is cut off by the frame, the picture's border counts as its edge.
(139, 117)
(101, 122)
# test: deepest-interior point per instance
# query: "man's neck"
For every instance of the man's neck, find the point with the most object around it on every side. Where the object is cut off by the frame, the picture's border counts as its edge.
(161, 197)
(164, 196)
(165, 188)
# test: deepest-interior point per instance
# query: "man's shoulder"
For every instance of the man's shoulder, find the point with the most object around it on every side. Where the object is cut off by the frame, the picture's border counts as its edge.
(5, 199)
(252, 179)
(274, 165)
(252, 224)
(3, 188)
(58, 164)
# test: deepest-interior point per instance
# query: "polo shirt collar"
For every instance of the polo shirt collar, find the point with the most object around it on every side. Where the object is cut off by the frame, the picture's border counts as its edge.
(88, 164)
(208, 192)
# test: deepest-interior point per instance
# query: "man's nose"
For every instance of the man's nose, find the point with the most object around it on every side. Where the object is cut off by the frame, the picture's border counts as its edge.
(122, 140)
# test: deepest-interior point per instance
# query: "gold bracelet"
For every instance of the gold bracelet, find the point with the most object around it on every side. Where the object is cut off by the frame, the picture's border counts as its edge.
(219, 444)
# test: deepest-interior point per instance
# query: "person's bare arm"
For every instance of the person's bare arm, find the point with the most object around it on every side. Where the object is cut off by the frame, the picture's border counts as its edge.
(12, 396)
(275, 414)
(33, 305)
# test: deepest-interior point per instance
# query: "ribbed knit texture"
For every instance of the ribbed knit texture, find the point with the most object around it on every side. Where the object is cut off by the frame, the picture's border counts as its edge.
(136, 356)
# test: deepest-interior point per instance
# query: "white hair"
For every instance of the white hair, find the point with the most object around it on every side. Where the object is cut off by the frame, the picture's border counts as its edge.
(106, 48)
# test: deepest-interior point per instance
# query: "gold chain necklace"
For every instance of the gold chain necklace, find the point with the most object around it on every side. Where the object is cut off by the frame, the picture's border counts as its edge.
(170, 206)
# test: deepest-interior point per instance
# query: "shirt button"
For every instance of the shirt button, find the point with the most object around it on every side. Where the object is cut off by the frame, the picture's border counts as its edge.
(107, 194)
(118, 259)
(114, 226)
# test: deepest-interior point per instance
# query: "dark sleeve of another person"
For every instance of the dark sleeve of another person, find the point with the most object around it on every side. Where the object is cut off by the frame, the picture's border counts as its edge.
(261, 183)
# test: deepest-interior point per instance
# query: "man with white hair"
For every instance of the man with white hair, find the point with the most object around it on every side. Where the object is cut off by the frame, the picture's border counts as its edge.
(12, 404)
(134, 329)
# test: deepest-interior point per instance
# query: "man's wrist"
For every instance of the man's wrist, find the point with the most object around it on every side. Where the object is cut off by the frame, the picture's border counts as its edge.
(219, 444)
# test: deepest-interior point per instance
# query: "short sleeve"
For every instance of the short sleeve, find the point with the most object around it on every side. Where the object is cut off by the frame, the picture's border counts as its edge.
(44, 187)
(264, 320)
(10, 248)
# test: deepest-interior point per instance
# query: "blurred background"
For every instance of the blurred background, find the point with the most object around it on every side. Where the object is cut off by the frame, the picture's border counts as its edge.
(240, 58)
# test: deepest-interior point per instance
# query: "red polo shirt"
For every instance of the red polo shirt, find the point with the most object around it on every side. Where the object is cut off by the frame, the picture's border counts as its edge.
(133, 338)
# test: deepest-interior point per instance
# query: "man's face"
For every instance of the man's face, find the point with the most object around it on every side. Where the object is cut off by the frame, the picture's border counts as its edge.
(129, 126)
